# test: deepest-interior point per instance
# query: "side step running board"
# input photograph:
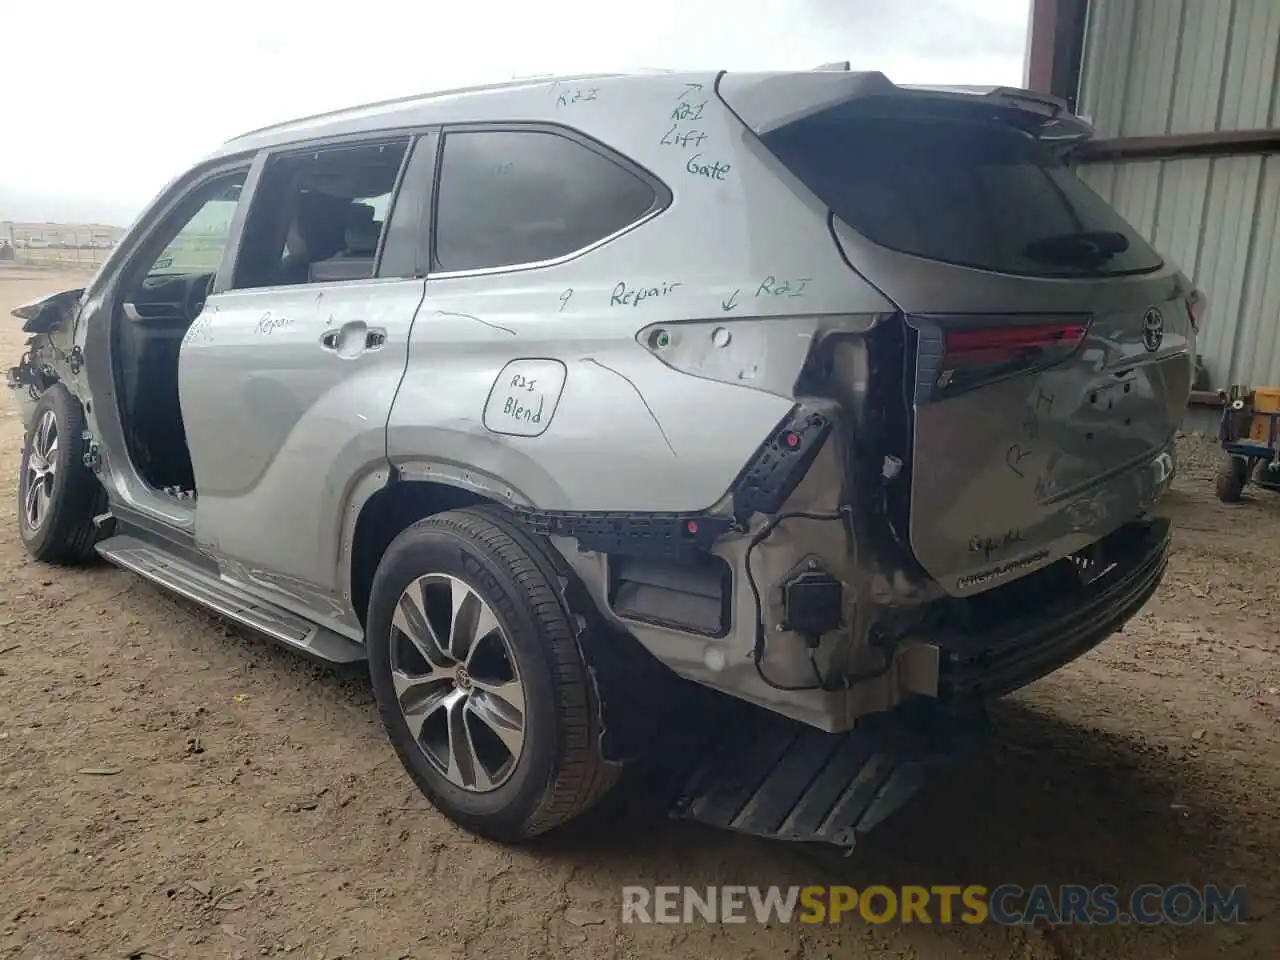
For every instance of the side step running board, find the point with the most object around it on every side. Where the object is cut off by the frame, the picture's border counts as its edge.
(206, 589)
(774, 777)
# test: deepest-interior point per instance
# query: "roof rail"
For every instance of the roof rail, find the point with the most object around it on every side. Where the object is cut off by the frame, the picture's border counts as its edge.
(410, 98)
(320, 116)
(837, 65)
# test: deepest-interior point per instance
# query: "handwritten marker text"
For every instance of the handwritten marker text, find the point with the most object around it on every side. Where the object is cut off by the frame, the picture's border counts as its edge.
(623, 296)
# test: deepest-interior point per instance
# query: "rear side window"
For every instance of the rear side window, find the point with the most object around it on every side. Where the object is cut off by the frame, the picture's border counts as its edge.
(317, 215)
(510, 197)
(976, 194)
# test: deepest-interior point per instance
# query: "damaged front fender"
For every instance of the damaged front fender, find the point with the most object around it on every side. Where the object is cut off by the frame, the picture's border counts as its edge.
(50, 355)
(50, 312)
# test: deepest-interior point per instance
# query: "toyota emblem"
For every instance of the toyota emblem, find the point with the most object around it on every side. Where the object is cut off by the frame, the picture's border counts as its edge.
(1152, 329)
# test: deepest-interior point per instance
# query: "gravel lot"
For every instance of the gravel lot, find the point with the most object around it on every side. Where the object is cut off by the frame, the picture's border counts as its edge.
(257, 810)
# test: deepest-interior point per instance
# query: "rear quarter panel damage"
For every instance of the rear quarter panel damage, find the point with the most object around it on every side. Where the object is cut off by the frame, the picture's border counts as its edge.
(630, 431)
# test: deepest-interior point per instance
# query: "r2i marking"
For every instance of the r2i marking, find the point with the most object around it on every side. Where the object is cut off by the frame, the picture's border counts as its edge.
(688, 111)
(578, 95)
(774, 287)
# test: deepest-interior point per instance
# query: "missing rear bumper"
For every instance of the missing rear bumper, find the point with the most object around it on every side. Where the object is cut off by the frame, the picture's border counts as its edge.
(1011, 636)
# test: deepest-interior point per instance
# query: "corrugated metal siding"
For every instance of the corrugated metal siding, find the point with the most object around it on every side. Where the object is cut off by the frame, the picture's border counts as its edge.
(1193, 66)
(1180, 66)
(1219, 220)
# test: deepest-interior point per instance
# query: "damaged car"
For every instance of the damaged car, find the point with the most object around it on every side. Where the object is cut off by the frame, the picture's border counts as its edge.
(564, 404)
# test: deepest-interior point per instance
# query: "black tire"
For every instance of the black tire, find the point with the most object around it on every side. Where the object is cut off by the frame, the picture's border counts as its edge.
(560, 773)
(1265, 475)
(64, 533)
(1231, 479)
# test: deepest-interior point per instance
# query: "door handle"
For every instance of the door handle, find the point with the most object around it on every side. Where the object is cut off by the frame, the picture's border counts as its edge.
(353, 338)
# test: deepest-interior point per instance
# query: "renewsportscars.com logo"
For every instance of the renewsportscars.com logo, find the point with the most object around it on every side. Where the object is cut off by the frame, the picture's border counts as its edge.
(1008, 904)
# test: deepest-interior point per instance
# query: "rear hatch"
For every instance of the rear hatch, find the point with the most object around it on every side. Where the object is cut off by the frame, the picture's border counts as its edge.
(1052, 345)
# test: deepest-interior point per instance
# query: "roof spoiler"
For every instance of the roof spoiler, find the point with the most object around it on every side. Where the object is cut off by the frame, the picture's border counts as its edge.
(768, 102)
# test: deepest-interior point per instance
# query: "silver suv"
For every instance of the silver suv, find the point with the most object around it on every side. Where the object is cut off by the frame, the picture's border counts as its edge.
(838, 403)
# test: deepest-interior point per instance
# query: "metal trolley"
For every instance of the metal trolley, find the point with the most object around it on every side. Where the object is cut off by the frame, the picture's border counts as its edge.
(1250, 436)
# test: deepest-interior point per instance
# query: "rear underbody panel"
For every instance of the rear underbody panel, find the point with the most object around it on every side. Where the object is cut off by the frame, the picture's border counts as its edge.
(773, 777)
(767, 775)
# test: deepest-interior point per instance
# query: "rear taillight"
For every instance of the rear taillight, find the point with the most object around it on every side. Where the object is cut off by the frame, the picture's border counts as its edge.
(981, 352)
(1197, 309)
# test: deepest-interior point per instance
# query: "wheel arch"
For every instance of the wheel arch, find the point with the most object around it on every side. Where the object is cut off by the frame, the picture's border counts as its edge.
(384, 514)
(625, 677)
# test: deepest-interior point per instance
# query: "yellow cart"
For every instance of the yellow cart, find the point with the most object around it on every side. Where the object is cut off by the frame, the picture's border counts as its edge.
(1250, 436)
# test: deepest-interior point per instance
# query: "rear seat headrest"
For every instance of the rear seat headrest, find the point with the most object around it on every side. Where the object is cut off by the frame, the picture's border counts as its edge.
(362, 241)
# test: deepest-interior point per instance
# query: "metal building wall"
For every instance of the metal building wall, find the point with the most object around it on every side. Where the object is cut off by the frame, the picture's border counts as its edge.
(1155, 67)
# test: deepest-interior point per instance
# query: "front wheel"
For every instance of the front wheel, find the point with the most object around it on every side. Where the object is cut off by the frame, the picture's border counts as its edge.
(479, 681)
(1231, 479)
(58, 496)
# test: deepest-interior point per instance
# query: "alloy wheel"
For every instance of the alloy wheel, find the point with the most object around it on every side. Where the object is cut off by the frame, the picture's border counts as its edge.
(457, 684)
(41, 470)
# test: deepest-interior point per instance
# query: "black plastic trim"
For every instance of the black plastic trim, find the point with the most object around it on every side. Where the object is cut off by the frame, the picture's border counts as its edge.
(768, 775)
(397, 249)
(662, 536)
(777, 468)
(763, 486)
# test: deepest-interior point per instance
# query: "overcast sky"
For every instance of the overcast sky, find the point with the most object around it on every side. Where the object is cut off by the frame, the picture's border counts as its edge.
(103, 101)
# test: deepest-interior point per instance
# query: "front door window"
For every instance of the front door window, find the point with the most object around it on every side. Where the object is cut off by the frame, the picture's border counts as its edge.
(198, 244)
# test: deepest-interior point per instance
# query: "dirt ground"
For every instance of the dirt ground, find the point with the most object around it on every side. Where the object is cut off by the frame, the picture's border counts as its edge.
(257, 810)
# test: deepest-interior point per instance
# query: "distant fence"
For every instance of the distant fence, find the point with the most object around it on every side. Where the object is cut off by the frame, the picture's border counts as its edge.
(55, 244)
(193, 252)
(83, 257)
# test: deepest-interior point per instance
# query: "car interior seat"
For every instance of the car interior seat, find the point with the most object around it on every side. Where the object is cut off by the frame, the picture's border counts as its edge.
(355, 260)
(316, 232)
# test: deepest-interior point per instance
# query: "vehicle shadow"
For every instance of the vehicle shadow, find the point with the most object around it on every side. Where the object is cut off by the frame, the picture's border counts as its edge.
(1045, 802)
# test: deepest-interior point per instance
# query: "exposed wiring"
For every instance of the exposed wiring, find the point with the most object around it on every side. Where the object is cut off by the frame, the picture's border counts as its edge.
(30, 374)
(757, 651)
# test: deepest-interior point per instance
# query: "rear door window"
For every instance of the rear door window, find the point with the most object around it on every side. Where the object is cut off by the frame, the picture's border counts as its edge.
(976, 194)
(512, 197)
(318, 213)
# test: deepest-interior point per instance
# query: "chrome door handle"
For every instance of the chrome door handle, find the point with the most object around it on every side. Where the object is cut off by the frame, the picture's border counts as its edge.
(331, 339)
